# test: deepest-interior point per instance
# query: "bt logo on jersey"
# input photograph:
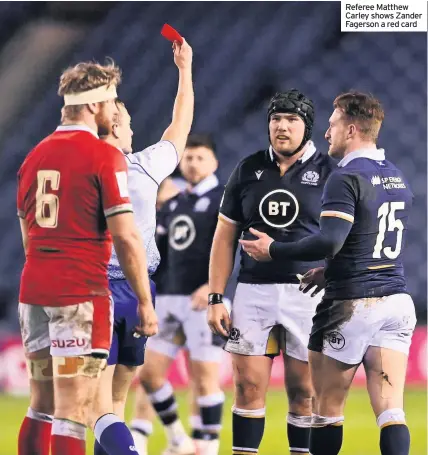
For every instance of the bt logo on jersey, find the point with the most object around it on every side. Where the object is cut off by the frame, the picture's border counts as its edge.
(279, 208)
(182, 232)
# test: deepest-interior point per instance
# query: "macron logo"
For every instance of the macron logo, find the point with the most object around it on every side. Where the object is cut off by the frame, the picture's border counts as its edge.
(259, 174)
(375, 180)
(132, 448)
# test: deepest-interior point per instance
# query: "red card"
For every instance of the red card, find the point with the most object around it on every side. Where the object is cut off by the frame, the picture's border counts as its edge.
(171, 34)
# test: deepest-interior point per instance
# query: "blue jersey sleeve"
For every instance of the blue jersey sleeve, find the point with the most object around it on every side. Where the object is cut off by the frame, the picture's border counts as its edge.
(340, 196)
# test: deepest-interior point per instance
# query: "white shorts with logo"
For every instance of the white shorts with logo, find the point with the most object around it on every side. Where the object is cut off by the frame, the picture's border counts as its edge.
(344, 329)
(69, 331)
(267, 318)
(182, 327)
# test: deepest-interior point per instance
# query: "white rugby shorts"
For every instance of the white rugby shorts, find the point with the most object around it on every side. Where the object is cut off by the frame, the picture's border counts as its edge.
(344, 329)
(182, 327)
(267, 318)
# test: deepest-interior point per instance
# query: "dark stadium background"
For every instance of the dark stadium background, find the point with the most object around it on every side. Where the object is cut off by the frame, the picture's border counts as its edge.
(243, 53)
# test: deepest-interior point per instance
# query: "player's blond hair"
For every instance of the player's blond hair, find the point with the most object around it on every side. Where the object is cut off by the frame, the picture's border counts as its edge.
(362, 109)
(87, 76)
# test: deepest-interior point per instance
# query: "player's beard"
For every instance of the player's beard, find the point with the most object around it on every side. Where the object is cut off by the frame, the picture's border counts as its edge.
(104, 123)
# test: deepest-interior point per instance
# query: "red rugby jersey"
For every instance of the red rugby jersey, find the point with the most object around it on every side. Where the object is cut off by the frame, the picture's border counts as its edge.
(67, 186)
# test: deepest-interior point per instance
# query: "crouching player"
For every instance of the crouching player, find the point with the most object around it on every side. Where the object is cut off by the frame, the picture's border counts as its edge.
(147, 169)
(366, 315)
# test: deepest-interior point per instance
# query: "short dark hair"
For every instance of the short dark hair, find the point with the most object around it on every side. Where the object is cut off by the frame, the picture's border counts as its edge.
(201, 140)
(363, 109)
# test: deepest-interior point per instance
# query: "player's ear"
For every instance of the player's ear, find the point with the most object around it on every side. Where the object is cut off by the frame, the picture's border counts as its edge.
(114, 130)
(352, 130)
(93, 108)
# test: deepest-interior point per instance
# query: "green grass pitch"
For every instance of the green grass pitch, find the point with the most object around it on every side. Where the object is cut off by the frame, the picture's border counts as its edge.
(360, 438)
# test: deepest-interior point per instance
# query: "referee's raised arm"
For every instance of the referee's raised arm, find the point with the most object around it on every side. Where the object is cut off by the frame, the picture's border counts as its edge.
(182, 115)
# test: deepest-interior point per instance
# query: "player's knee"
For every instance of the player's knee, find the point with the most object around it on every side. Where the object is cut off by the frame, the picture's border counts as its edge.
(248, 390)
(300, 397)
(395, 416)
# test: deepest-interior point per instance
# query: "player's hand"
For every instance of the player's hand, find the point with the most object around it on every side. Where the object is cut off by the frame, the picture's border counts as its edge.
(183, 54)
(313, 278)
(149, 320)
(219, 320)
(258, 249)
(200, 298)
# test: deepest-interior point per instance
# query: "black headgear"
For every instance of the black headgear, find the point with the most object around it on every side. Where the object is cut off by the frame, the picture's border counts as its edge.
(294, 102)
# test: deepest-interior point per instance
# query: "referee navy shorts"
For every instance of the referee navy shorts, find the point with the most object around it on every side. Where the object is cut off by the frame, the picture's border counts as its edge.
(125, 348)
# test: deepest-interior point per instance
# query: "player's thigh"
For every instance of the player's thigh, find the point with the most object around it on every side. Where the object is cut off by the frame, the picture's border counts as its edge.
(103, 402)
(122, 380)
(153, 373)
(254, 315)
(386, 377)
(170, 337)
(251, 376)
(34, 323)
(331, 380)
(296, 313)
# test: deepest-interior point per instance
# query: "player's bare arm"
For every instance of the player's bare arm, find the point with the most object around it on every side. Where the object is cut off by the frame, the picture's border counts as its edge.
(221, 266)
(132, 257)
(24, 233)
(182, 115)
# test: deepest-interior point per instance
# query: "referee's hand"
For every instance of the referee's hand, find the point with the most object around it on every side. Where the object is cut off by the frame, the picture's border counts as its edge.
(219, 320)
(149, 321)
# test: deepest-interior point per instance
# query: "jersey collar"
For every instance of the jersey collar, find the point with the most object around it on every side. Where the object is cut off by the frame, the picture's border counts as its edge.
(369, 153)
(309, 152)
(77, 128)
(205, 185)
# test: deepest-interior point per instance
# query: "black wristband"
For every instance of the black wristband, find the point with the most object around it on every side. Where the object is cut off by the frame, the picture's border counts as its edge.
(214, 299)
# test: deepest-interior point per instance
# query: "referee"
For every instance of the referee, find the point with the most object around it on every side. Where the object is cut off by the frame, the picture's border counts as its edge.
(277, 191)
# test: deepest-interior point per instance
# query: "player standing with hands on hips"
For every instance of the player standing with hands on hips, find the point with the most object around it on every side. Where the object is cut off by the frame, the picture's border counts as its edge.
(366, 315)
(277, 191)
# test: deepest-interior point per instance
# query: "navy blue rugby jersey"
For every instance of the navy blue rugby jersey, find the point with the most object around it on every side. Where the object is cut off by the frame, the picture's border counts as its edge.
(285, 207)
(373, 194)
(185, 231)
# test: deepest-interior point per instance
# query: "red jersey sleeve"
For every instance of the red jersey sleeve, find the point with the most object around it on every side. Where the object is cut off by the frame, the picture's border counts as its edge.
(113, 178)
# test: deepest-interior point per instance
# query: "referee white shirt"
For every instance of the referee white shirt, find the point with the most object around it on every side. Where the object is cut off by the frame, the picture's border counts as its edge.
(146, 171)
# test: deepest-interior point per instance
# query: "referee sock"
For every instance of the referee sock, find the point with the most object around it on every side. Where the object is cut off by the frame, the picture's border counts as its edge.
(35, 434)
(113, 436)
(326, 435)
(394, 434)
(247, 430)
(298, 430)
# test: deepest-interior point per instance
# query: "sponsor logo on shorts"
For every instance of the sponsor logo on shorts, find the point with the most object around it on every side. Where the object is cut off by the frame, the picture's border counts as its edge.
(75, 342)
(336, 340)
(235, 334)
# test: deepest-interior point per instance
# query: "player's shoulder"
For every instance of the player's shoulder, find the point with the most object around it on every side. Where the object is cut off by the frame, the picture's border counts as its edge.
(325, 161)
(251, 163)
